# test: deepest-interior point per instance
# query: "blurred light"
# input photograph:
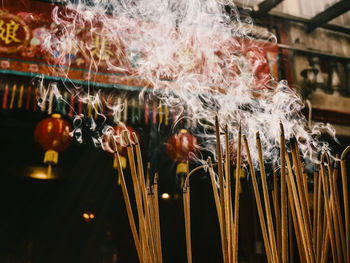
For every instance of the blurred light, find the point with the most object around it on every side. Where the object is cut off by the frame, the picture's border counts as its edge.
(165, 196)
(41, 174)
(88, 217)
(38, 175)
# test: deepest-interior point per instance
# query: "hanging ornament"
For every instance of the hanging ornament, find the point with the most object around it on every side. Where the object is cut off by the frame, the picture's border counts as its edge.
(29, 91)
(53, 134)
(14, 87)
(4, 101)
(166, 112)
(120, 142)
(20, 99)
(181, 148)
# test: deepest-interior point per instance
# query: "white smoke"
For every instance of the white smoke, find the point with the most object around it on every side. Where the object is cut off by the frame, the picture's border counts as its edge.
(195, 56)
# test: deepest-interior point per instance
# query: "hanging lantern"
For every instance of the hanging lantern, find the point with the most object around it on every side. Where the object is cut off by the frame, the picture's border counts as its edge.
(181, 148)
(120, 142)
(53, 134)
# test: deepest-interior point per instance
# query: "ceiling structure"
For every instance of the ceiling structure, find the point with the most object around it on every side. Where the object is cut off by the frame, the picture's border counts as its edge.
(330, 14)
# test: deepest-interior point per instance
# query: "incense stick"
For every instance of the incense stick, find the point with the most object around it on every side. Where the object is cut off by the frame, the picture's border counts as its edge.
(144, 197)
(137, 193)
(301, 194)
(221, 184)
(267, 201)
(293, 191)
(277, 213)
(128, 205)
(258, 203)
(236, 215)
(228, 201)
(156, 215)
(337, 204)
(187, 215)
(283, 196)
(319, 219)
(334, 213)
(326, 206)
(346, 201)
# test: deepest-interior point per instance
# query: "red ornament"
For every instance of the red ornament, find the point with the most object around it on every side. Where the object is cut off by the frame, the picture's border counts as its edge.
(117, 134)
(120, 141)
(182, 147)
(53, 133)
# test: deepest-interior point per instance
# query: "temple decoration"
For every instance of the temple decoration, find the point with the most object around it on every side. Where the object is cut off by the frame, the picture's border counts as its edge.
(120, 142)
(182, 148)
(53, 134)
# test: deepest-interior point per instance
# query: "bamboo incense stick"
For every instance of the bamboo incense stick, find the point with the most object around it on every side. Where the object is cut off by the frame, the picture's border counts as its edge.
(150, 204)
(314, 220)
(156, 215)
(187, 215)
(292, 192)
(327, 209)
(325, 249)
(283, 196)
(346, 201)
(334, 213)
(228, 201)
(128, 205)
(137, 193)
(305, 187)
(258, 203)
(319, 219)
(215, 191)
(236, 215)
(291, 249)
(298, 235)
(337, 204)
(221, 184)
(144, 196)
(277, 213)
(301, 194)
(267, 201)
(187, 225)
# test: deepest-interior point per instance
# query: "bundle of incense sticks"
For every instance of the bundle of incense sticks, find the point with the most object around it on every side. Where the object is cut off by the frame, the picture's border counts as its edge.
(147, 238)
(317, 225)
(227, 213)
(320, 228)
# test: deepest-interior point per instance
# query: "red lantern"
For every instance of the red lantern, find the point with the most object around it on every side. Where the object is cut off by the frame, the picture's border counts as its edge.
(53, 134)
(181, 148)
(120, 142)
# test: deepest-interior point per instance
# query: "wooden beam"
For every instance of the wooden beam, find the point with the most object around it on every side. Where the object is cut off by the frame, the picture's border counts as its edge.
(267, 5)
(327, 15)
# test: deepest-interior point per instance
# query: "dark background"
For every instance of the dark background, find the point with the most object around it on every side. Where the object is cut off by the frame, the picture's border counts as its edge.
(41, 220)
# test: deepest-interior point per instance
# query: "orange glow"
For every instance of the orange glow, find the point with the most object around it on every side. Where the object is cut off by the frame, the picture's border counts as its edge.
(88, 217)
(165, 196)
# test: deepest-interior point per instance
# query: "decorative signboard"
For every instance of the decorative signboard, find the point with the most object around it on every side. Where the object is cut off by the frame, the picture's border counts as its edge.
(25, 26)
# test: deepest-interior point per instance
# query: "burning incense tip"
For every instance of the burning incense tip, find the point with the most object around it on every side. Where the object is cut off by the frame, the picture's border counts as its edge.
(134, 136)
(282, 129)
(345, 152)
(126, 137)
(257, 135)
